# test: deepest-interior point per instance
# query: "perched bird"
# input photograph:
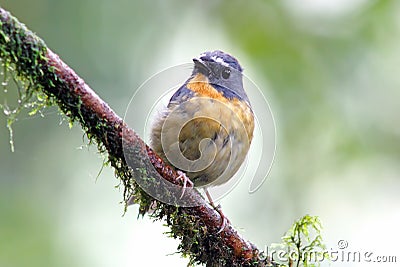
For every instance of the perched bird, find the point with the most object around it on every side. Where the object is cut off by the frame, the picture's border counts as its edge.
(207, 127)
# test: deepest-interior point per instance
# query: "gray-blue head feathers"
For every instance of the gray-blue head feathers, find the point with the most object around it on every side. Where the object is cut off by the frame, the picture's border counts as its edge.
(223, 72)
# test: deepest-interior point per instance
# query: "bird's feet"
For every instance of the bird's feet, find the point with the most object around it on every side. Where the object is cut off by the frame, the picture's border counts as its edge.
(185, 182)
(224, 219)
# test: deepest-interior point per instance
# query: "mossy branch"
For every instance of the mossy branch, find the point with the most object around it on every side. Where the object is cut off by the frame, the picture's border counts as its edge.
(196, 227)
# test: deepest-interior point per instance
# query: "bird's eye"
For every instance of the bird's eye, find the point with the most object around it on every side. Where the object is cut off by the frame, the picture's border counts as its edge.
(226, 72)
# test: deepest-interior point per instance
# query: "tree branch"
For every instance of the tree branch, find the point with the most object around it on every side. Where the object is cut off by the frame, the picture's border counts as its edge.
(197, 226)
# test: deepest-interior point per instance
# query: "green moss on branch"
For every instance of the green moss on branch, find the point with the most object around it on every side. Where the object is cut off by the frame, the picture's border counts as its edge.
(42, 71)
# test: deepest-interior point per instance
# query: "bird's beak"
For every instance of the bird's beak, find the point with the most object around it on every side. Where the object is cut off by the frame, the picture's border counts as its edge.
(202, 66)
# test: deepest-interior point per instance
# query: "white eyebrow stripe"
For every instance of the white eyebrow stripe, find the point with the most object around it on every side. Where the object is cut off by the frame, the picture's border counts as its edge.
(220, 60)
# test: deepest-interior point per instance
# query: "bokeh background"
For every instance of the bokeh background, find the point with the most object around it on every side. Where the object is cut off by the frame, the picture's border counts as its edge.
(330, 70)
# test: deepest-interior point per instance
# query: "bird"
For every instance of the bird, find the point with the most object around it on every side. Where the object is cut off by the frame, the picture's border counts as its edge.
(206, 129)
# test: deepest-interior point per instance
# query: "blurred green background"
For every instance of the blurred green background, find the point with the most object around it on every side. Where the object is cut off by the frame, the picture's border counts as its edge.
(330, 70)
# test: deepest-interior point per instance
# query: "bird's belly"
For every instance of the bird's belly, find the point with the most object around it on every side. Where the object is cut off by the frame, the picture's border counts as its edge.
(225, 158)
(213, 138)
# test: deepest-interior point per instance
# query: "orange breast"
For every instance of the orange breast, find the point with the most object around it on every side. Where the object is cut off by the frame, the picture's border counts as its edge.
(214, 133)
(200, 85)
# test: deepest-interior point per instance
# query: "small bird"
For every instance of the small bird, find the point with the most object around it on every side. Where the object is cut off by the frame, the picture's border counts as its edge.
(207, 127)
